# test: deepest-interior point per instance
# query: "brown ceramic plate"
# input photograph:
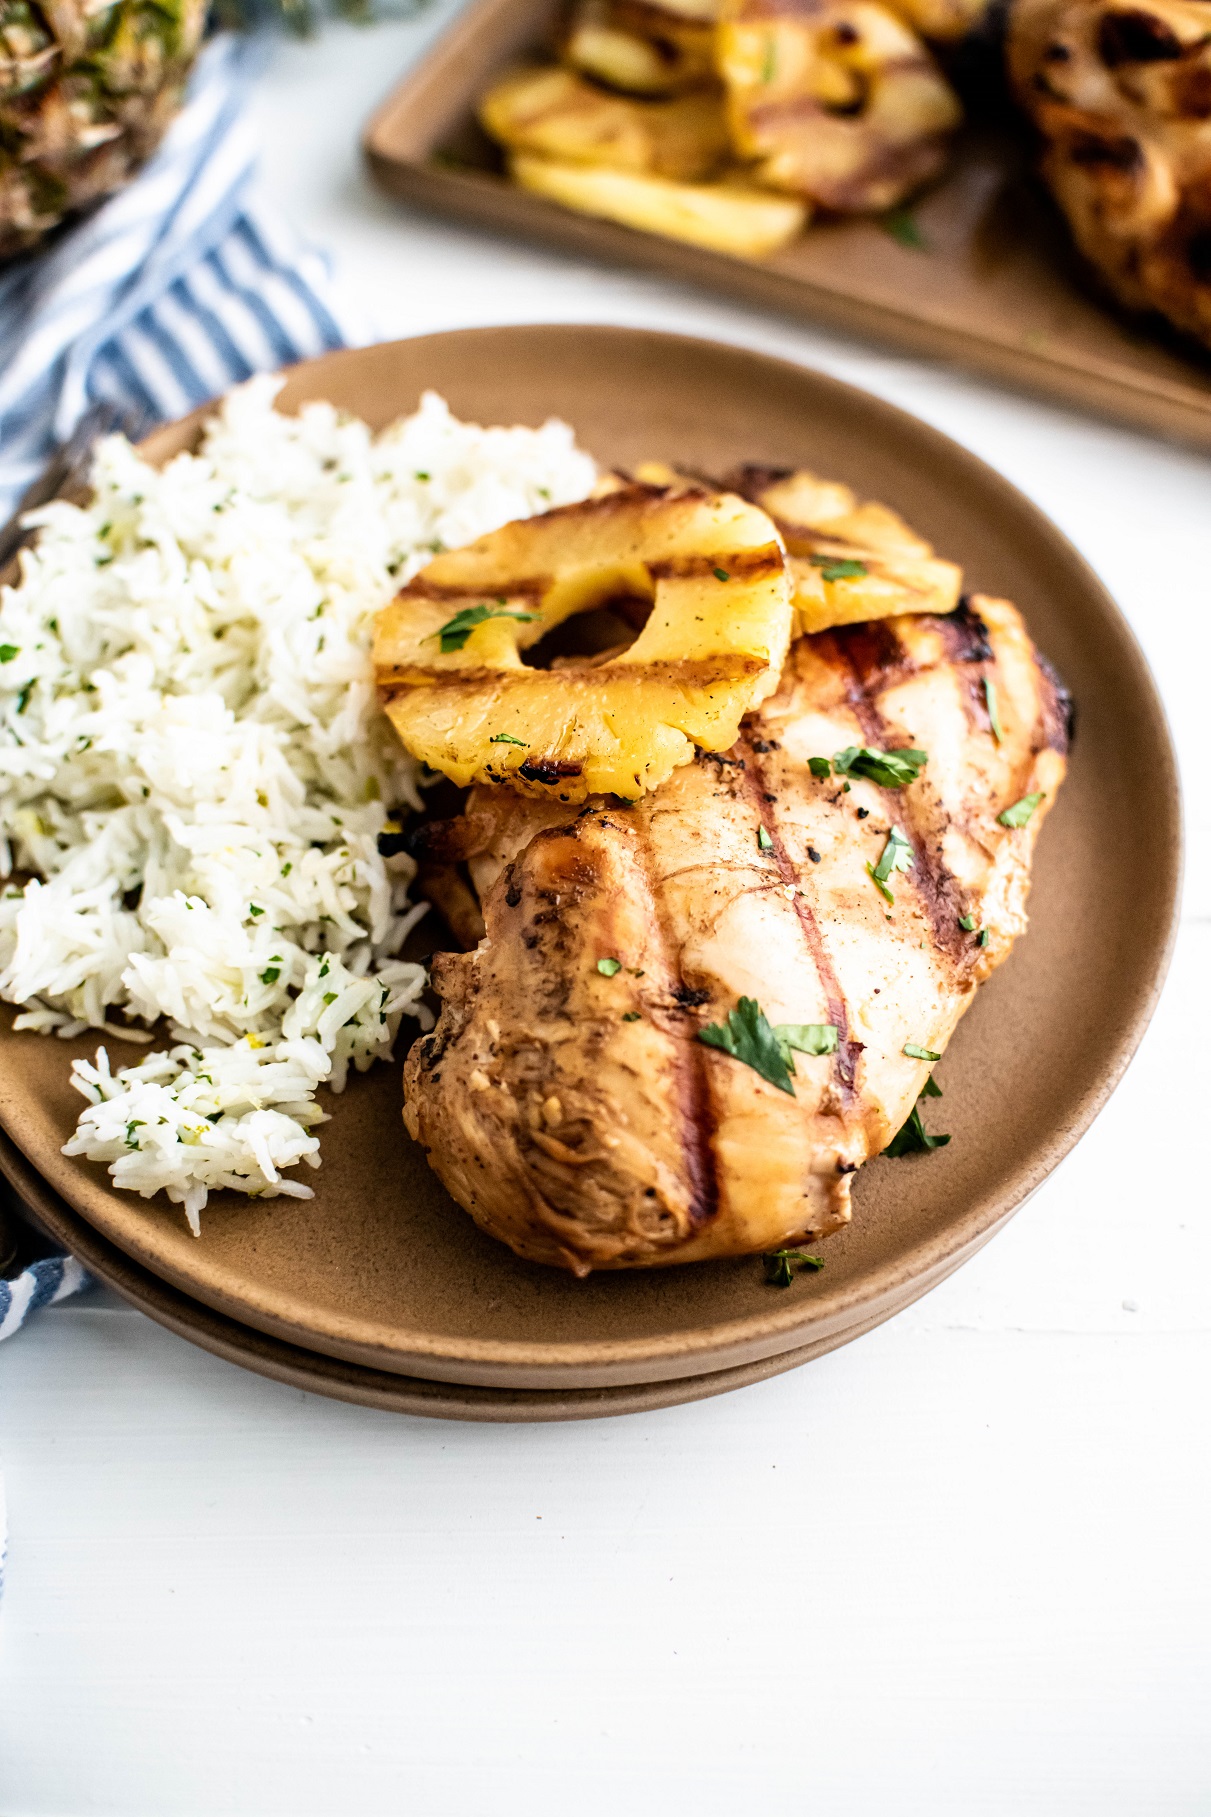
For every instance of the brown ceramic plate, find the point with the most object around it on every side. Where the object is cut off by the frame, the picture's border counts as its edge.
(300, 1368)
(994, 286)
(381, 1268)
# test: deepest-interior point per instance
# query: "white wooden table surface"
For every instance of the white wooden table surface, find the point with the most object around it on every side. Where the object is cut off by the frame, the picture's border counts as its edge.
(958, 1568)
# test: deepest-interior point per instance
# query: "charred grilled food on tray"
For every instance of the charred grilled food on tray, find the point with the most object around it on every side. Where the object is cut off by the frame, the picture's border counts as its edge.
(1121, 95)
(727, 123)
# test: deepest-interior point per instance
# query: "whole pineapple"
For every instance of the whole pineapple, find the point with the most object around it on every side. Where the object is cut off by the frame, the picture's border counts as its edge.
(87, 88)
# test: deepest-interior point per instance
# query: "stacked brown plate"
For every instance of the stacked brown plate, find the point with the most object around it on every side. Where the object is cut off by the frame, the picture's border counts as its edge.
(380, 1289)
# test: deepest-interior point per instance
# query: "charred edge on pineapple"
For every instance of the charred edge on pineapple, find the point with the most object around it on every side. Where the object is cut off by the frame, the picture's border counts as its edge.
(531, 586)
(548, 769)
(739, 564)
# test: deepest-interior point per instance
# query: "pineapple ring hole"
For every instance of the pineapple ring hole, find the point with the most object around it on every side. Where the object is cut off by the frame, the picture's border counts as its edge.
(599, 632)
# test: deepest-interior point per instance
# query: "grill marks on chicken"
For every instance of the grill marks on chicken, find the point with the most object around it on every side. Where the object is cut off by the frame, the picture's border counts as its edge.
(874, 661)
(764, 802)
(576, 1114)
(675, 1016)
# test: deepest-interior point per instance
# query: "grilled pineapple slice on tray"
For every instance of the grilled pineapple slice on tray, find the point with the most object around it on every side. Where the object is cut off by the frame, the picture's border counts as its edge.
(942, 21)
(729, 216)
(837, 100)
(556, 114)
(447, 649)
(848, 561)
(640, 48)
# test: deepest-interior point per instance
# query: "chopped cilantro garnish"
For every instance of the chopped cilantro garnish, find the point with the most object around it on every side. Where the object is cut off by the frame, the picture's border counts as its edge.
(897, 855)
(8, 651)
(838, 567)
(422, 476)
(632, 1015)
(820, 766)
(982, 937)
(1020, 812)
(916, 1052)
(778, 1265)
(721, 574)
(271, 974)
(330, 996)
(748, 1037)
(994, 713)
(608, 967)
(808, 1037)
(967, 922)
(902, 226)
(913, 1138)
(763, 839)
(890, 769)
(254, 909)
(23, 696)
(455, 632)
(930, 1089)
(504, 738)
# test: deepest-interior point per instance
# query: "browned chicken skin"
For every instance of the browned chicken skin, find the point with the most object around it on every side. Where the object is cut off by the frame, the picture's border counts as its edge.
(575, 1113)
(1120, 91)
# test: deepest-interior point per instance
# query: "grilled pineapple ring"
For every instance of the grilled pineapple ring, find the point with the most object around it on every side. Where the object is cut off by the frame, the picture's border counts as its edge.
(447, 649)
(848, 562)
(640, 48)
(555, 113)
(836, 100)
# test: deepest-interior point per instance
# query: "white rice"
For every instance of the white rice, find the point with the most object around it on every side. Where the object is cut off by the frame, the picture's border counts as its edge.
(193, 764)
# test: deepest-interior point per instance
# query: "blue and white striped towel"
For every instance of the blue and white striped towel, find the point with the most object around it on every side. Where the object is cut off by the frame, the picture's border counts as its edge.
(180, 286)
(41, 1284)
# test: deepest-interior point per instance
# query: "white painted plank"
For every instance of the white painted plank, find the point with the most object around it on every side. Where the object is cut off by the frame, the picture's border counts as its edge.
(957, 1572)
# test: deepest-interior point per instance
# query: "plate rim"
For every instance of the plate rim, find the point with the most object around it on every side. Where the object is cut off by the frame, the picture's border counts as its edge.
(358, 1384)
(887, 1285)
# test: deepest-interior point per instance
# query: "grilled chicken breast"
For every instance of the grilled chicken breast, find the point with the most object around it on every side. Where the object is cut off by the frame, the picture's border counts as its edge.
(567, 1101)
